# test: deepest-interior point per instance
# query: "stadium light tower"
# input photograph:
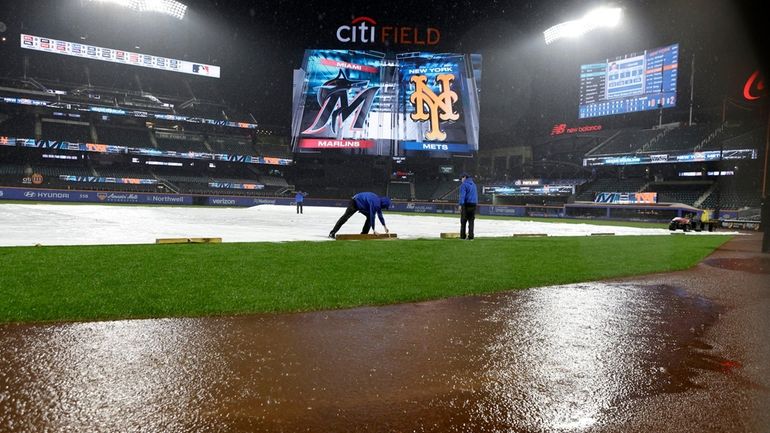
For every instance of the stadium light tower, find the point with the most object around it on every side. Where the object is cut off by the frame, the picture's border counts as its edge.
(597, 18)
(166, 7)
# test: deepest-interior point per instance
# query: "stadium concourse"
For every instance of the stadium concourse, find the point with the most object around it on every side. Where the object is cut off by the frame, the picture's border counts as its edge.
(44, 224)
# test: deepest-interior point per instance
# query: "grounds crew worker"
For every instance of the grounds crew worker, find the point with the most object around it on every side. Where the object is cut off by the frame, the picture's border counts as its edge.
(469, 198)
(369, 204)
(300, 199)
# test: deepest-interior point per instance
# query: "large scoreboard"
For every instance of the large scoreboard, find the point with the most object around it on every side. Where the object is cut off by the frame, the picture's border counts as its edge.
(367, 103)
(629, 83)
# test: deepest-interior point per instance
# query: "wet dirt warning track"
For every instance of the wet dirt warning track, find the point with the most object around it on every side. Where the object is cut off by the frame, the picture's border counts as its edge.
(650, 354)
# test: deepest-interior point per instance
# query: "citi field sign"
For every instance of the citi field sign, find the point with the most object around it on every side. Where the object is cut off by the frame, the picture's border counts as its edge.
(365, 30)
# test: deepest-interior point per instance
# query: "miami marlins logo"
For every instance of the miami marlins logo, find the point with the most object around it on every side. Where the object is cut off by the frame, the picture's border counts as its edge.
(335, 108)
(439, 107)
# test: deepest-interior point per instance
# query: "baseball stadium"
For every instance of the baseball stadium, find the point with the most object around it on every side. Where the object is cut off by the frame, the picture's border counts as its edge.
(496, 216)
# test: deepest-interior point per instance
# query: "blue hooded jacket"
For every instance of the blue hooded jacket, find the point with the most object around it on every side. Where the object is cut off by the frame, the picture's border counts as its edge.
(468, 193)
(370, 204)
(299, 198)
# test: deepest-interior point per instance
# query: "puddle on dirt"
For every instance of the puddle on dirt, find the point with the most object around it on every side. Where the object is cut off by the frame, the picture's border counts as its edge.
(755, 265)
(587, 349)
(552, 358)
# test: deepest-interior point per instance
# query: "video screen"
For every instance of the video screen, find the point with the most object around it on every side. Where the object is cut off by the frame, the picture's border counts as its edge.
(365, 103)
(629, 83)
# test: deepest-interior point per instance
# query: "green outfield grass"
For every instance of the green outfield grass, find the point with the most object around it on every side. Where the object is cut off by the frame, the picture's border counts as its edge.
(139, 281)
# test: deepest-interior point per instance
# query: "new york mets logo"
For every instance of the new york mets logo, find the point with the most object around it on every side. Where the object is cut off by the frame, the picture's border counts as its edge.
(335, 108)
(439, 107)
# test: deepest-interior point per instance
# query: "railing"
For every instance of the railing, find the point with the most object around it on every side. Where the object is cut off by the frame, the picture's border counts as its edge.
(600, 145)
(710, 137)
(655, 139)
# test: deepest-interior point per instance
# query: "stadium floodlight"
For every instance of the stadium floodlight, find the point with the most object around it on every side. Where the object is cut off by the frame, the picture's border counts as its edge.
(597, 18)
(167, 7)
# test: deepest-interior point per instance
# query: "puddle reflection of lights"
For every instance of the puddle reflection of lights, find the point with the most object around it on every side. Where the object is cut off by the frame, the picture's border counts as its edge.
(566, 343)
(109, 370)
(578, 424)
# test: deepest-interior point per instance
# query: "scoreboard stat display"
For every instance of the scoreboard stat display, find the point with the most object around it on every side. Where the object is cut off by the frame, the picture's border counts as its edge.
(629, 83)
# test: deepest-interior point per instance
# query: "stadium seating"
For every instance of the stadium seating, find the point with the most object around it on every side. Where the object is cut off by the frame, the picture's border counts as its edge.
(188, 181)
(121, 172)
(181, 142)
(74, 133)
(447, 190)
(683, 138)
(273, 181)
(274, 150)
(425, 189)
(130, 137)
(626, 141)
(732, 194)
(17, 126)
(12, 175)
(334, 175)
(679, 191)
(45, 170)
(231, 145)
(54, 171)
(400, 190)
(11, 170)
(739, 138)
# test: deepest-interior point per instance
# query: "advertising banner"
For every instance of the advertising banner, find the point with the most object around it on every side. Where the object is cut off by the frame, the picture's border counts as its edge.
(143, 151)
(96, 179)
(514, 211)
(530, 190)
(233, 185)
(667, 158)
(626, 197)
(92, 196)
(420, 207)
(72, 106)
(75, 49)
(247, 201)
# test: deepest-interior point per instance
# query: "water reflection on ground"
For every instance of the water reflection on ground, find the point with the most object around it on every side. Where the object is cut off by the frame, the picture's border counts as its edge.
(566, 358)
(547, 359)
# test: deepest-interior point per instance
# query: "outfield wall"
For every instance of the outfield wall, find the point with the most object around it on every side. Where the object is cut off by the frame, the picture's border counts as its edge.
(66, 195)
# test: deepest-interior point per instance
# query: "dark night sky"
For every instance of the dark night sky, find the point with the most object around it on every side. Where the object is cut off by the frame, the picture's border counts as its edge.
(526, 86)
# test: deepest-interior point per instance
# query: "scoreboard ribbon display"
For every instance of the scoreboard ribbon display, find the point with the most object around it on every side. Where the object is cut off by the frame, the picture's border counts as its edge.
(75, 49)
(144, 151)
(626, 197)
